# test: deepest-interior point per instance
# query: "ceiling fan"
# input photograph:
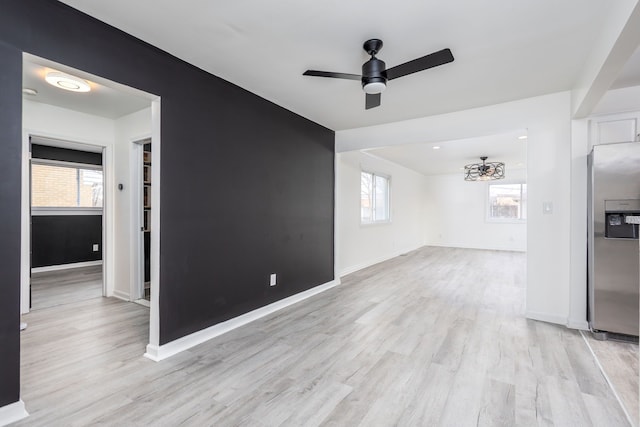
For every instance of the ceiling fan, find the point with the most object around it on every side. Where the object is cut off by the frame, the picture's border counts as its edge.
(375, 76)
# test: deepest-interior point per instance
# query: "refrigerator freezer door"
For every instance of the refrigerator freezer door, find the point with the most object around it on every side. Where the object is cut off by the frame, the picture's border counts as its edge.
(614, 263)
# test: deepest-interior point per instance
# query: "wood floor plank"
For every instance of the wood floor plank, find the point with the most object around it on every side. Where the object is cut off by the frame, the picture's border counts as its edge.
(420, 340)
(620, 361)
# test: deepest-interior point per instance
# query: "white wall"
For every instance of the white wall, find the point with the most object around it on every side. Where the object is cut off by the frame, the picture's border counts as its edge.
(61, 123)
(128, 129)
(359, 246)
(116, 137)
(456, 215)
(547, 120)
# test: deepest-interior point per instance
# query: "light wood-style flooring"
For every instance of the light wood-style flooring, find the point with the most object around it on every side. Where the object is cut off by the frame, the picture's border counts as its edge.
(433, 338)
(619, 361)
(52, 288)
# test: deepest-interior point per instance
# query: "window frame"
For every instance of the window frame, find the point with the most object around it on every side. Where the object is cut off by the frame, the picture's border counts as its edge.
(489, 218)
(65, 210)
(387, 177)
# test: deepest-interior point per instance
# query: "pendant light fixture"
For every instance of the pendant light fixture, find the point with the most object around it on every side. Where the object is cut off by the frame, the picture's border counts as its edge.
(484, 171)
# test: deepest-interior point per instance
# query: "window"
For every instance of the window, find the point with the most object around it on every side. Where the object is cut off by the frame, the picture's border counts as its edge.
(374, 198)
(61, 186)
(507, 201)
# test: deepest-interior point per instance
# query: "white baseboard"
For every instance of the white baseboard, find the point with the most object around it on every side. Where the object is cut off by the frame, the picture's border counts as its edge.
(121, 295)
(158, 353)
(581, 325)
(143, 302)
(65, 266)
(12, 413)
(369, 263)
(546, 317)
(503, 249)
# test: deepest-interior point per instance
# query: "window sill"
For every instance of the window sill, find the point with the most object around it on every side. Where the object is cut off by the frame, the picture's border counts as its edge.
(40, 211)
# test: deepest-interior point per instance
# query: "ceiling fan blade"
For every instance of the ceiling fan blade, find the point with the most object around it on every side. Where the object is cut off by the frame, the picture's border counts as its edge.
(372, 100)
(331, 74)
(434, 59)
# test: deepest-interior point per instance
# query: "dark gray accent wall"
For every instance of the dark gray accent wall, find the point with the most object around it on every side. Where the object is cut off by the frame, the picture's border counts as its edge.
(10, 181)
(246, 186)
(65, 239)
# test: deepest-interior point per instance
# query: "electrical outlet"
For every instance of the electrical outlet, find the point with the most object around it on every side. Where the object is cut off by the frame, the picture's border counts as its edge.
(95, 247)
(272, 280)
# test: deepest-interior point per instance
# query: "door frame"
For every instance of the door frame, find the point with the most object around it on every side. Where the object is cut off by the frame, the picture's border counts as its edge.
(137, 212)
(65, 141)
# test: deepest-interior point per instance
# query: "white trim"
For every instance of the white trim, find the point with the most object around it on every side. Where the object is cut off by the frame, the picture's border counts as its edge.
(487, 200)
(64, 163)
(121, 295)
(61, 211)
(546, 317)
(108, 221)
(336, 209)
(65, 266)
(12, 412)
(606, 377)
(154, 309)
(369, 263)
(581, 325)
(387, 177)
(136, 273)
(143, 302)
(25, 225)
(161, 352)
(107, 212)
(480, 248)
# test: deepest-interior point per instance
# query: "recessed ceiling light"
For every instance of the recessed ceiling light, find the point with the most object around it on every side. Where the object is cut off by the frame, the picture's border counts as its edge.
(29, 91)
(436, 147)
(67, 82)
(523, 137)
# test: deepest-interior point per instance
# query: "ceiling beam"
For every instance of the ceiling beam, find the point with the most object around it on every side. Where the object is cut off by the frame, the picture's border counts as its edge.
(619, 40)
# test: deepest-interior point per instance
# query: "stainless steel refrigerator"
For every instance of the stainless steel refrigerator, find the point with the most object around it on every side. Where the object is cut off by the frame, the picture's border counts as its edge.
(613, 251)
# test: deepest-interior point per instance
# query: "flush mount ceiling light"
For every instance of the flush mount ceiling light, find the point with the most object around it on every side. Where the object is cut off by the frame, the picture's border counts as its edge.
(484, 171)
(67, 82)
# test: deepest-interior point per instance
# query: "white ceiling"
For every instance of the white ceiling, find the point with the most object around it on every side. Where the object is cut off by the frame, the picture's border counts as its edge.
(106, 99)
(630, 74)
(503, 51)
(452, 156)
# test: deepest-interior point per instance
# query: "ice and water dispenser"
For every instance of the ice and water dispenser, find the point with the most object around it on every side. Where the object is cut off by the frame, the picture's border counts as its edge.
(622, 218)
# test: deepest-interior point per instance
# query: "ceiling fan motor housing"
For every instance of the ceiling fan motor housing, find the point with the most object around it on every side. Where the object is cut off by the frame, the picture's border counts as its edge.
(374, 71)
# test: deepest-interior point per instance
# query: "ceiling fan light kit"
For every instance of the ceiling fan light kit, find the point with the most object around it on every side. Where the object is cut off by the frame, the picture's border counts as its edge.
(484, 171)
(375, 73)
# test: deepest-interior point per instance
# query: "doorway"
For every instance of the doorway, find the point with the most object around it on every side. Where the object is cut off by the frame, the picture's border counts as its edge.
(105, 120)
(66, 194)
(142, 205)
